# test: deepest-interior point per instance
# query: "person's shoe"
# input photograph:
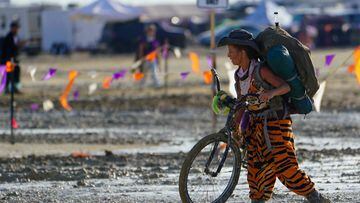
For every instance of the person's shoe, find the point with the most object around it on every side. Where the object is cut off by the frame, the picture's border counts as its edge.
(316, 197)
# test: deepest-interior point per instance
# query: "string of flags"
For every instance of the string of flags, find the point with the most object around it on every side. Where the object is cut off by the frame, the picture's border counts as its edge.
(136, 75)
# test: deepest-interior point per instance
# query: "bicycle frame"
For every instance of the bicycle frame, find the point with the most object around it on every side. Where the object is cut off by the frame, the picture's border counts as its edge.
(228, 132)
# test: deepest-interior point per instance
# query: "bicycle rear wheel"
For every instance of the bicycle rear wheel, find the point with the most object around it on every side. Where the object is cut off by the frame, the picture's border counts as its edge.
(195, 185)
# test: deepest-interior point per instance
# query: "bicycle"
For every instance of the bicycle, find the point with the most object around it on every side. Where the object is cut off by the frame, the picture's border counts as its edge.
(219, 151)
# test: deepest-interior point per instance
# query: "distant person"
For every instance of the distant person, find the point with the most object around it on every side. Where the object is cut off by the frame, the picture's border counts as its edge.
(9, 51)
(148, 44)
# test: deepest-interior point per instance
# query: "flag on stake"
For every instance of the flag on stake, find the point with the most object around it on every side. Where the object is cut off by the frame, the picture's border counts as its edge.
(48, 105)
(138, 76)
(207, 77)
(357, 54)
(318, 96)
(107, 82)
(92, 88)
(14, 124)
(195, 63)
(184, 75)
(32, 70)
(63, 98)
(357, 71)
(34, 107)
(76, 95)
(120, 74)
(351, 68)
(209, 61)
(177, 52)
(328, 59)
(51, 73)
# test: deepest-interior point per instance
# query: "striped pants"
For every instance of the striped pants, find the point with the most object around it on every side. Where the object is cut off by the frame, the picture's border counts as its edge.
(265, 165)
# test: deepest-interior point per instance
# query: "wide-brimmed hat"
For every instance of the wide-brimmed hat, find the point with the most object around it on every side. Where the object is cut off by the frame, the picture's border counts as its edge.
(15, 24)
(239, 37)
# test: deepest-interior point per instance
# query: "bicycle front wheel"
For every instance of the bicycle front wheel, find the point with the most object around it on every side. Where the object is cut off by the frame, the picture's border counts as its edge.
(197, 185)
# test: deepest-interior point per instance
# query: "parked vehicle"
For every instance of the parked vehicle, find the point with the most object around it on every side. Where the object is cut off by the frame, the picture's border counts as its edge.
(223, 30)
(124, 37)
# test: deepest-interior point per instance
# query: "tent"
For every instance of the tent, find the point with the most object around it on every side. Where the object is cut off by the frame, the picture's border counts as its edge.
(89, 21)
(108, 10)
(264, 15)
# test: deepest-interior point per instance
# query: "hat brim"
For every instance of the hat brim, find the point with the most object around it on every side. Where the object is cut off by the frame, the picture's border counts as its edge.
(228, 41)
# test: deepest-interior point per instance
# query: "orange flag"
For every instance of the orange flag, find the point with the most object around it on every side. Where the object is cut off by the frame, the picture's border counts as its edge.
(63, 98)
(195, 62)
(351, 68)
(151, 56)
(107, 82)
(357, 71)
(357, 54)
(207, 77)
(357, 63)
(138, 76)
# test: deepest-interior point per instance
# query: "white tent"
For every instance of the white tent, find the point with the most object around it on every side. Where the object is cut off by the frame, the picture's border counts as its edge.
(108, 10)
(264, 14)
(82, 28)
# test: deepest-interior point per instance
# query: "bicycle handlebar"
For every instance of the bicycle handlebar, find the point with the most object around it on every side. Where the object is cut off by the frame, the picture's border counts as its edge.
(242, 102)
(217, 81)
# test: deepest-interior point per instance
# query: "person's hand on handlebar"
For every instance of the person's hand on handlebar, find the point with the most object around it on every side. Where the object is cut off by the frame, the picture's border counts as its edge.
(221, 102)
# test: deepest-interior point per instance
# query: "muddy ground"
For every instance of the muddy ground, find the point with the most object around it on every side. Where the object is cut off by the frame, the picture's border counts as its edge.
(135, 139)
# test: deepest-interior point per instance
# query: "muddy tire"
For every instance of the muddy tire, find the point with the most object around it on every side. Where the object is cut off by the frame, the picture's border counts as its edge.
(194, 152)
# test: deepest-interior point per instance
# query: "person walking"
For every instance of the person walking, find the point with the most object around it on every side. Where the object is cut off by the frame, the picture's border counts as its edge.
(268, 133)
(10, 52)
(149, 44)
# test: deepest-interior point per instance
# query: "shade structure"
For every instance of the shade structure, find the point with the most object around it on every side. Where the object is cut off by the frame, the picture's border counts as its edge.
(108, 10)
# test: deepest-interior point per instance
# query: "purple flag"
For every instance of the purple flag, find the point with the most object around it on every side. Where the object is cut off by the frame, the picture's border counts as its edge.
(165, 51)
(51, 73)
(76, 95)
(184, 75)
(3, 78)
(34, 107)
(209, 61)
(120, 74)
(328, 59)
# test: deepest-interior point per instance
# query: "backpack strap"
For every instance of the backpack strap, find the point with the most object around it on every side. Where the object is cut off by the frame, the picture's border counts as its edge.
(259, 81)
(277, 102)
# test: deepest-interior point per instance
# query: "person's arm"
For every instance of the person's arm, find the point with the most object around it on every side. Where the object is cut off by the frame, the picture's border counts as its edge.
(281, 87)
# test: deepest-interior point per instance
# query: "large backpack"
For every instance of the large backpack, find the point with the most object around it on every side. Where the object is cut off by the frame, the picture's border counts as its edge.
(290, 59)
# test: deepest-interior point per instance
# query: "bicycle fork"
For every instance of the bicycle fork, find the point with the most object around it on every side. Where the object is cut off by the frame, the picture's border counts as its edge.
(215, 148)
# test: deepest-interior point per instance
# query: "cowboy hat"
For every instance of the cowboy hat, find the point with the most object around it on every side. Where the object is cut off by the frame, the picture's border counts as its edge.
(239, 37)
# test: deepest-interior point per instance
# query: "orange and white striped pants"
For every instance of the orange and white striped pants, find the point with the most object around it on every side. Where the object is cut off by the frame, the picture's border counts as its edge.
(264, 165)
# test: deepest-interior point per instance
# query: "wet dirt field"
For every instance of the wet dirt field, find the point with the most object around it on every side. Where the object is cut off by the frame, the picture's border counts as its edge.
(135, 140)
(135, 156)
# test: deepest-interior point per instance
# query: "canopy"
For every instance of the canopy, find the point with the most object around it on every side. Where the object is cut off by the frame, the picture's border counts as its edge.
(108, 10)
(264, 14)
